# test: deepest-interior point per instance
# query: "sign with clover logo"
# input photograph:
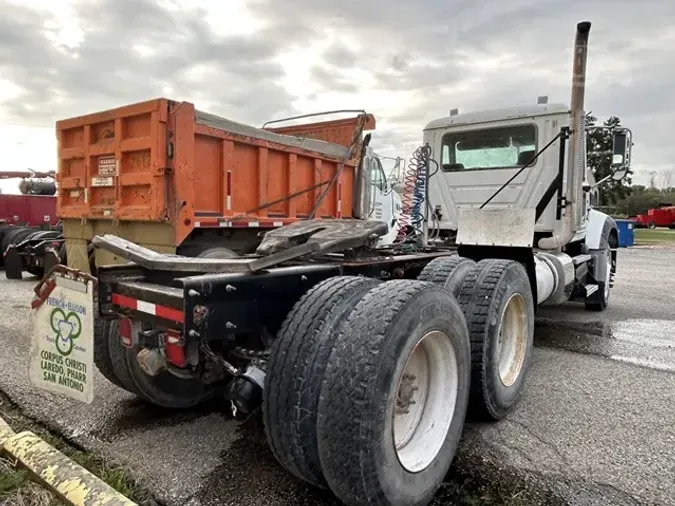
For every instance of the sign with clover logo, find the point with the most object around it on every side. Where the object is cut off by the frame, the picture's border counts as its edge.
(62, 356)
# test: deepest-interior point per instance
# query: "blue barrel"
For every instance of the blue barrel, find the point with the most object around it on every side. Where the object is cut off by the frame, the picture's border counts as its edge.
(626, 233)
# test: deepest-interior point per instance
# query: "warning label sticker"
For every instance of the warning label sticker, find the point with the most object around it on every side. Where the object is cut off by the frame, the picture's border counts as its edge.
(106, 166)
(102, 181)
(62, 349)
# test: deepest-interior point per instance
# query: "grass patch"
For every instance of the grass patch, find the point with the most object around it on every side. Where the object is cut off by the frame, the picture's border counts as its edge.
(654, 236)
(466, 492)
(19, 488)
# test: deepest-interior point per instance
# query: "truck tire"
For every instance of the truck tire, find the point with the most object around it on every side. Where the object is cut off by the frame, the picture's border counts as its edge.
(498, 305)
(295, 372)
(448, 272)
(380, 440)
(599, 300)
(217, 252)
(651, 225)
(102, 356)
(165, 390)
(15, 237)
(117, 357)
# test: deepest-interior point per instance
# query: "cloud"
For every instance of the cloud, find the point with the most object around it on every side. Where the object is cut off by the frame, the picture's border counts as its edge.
(408, 62)
(134, 50)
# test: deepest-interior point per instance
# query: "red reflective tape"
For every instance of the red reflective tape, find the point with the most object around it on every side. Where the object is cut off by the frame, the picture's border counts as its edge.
(171, 314)
(124, 301)
(168, 313)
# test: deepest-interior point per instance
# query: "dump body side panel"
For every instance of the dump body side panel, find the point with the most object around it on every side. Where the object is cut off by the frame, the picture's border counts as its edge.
(164, 161)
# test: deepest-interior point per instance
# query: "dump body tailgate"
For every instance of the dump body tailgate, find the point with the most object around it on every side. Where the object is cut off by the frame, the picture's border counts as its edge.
(112, 164)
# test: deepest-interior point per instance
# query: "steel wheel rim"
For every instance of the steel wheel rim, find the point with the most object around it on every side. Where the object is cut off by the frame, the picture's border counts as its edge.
(512, 341)
(424, 404)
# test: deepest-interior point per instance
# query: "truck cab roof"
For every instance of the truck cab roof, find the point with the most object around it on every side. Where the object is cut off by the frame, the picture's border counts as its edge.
(501, 114)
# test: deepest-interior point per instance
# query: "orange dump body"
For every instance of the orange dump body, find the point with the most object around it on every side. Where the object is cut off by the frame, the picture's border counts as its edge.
(164, 161)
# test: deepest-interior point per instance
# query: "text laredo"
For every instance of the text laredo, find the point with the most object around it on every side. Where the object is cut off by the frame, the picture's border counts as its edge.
(63, 371)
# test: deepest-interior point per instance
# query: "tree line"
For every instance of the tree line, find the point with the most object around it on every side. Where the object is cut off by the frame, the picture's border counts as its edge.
(621, 197)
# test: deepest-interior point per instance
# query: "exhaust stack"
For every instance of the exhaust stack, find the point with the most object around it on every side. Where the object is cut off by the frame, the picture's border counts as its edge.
(576, 151)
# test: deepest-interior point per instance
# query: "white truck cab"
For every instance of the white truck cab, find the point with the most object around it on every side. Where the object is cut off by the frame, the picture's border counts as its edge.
(379, 201)
(477, 152)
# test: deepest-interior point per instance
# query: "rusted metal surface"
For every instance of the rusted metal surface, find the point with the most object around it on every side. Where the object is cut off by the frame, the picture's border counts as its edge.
(165, 162)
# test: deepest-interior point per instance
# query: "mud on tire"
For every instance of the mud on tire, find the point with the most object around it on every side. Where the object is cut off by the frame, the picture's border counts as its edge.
(362, 396)
(496, 298)
(295, 372)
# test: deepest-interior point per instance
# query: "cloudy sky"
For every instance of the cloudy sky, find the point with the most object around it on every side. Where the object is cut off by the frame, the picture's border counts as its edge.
(406, 61)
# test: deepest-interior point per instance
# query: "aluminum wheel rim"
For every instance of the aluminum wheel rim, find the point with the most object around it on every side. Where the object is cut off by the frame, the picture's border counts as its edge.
(512, 340)
(424, 404)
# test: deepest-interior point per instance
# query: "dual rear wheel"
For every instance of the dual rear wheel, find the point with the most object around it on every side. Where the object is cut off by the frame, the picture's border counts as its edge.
(367, 388)
(369, 382)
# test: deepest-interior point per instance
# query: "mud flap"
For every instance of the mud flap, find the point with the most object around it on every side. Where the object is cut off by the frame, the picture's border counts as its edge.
(62, 348)
(13, 263)
(51, 260)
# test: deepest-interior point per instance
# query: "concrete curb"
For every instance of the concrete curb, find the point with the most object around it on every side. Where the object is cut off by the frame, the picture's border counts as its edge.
(67, 479)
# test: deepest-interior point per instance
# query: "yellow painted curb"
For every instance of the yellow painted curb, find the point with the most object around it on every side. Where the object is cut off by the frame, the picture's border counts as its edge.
(6, 432)
(70, 481)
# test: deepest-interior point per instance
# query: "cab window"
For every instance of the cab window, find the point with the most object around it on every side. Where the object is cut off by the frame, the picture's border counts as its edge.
(377, 176)
(492, 148)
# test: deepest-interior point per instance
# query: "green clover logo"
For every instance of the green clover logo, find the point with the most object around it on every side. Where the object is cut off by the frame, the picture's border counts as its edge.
(67, 328)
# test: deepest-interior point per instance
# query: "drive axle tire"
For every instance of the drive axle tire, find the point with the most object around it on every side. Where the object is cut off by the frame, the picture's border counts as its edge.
(217, 253)
(117, 357)
(295, 372)
(447, 271)
(102, 358)
(599, 300)
(164, 390)
(394, 396)
(498, 305)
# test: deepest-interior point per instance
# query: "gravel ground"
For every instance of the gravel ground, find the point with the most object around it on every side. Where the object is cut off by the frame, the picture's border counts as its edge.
(594, 425)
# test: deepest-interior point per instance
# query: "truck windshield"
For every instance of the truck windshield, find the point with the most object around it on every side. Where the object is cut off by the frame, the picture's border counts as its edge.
(493, 148)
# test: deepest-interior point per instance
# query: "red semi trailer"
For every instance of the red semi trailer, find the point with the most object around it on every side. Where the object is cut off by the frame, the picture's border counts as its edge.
(27, 223)
(37, 203)
(659, 217)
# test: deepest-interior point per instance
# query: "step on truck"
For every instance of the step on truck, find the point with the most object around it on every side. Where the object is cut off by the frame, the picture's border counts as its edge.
(364, 360)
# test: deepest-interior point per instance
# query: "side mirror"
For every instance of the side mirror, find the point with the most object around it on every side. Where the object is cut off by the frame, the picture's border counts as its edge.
(621, 149)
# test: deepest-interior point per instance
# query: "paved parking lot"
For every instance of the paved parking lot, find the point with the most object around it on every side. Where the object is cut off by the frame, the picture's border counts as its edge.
(595, 425)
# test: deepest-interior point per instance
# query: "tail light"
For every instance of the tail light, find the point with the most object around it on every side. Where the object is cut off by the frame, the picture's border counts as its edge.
(129, 332)
(174, 349)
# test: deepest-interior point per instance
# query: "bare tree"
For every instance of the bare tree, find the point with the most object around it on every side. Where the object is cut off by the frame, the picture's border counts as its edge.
(666, 178)
(652, 179)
